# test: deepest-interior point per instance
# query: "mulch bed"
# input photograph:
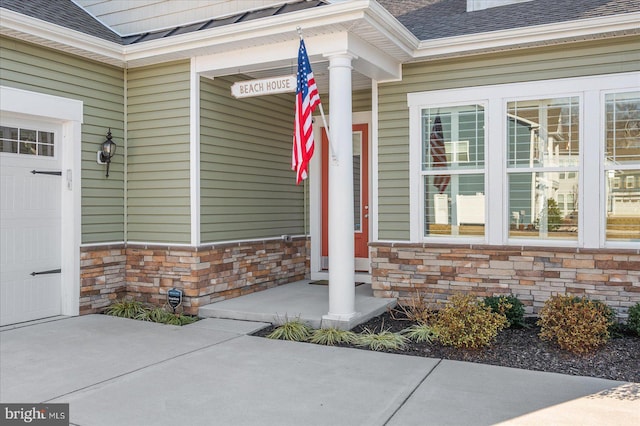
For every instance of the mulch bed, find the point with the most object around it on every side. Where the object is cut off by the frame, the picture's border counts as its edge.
(619, 359)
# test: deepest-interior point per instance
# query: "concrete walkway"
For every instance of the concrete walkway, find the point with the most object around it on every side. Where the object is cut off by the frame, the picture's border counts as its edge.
(114, 371)
(299, 300)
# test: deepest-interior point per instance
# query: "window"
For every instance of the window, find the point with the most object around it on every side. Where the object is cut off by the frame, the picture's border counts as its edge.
(453, 170)
(541, 163)
(630, 182)
(543, 148)
(22, 141)
(622, 164)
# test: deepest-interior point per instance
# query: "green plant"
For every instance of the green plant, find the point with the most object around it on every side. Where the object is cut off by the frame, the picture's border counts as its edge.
(576, 324)
(126, 308)
(633, 322)
(466, 323)
(551, 213)
(510, 306)
(153, 315)
(420, 333)
(384, 340)
(417, 310)
(294, 330)
(332, 336)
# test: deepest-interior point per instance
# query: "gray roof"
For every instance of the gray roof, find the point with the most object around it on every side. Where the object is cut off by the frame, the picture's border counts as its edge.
(426, 19)
(64, 13)
(67, 14)
(212, 23)
(433, 19)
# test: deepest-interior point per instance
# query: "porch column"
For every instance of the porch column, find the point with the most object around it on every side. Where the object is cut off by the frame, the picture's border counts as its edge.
(341, 245)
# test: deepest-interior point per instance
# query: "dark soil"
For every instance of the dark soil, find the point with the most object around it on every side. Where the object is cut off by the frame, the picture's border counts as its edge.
(619, 359)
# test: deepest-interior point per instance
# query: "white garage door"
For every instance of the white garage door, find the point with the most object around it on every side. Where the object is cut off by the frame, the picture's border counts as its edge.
(30, 222)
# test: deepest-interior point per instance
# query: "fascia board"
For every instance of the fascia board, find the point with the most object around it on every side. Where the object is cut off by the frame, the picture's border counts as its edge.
(386, 24)
(513, 38)
(278, 55)
(57, 36)
(231, 35)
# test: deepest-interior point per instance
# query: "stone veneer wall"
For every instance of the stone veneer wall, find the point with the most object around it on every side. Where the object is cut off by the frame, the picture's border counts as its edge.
(102, 277)
(205, 274)
(533, 274)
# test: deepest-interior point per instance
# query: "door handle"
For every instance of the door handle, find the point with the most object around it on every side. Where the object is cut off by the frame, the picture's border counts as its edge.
(51, 271)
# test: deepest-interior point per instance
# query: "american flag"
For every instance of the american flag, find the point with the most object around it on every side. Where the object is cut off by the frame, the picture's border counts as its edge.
(307, 99)
(438, 154)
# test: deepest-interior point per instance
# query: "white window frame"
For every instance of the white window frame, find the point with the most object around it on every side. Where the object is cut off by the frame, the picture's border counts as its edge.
(592, 204)
(568, 170)
(417, 157)
(617, 182)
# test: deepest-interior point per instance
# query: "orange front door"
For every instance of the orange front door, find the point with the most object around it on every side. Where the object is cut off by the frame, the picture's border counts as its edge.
(360, 192)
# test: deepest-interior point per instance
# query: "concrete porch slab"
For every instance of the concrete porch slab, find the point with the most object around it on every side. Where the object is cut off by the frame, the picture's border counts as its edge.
(298, 300)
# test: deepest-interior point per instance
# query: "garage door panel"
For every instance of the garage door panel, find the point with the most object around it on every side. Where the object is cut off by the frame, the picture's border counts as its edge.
(30, 224)
(25, 299)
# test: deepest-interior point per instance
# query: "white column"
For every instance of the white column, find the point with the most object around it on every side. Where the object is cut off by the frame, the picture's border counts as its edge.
(341, 246)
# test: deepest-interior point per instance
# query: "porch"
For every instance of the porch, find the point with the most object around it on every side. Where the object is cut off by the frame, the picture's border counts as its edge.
(298, 300)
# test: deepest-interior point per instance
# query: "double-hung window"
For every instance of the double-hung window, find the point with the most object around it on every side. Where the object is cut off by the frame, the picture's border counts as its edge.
(452, 164)
(543, 152)
(622, 165)
(554, 162)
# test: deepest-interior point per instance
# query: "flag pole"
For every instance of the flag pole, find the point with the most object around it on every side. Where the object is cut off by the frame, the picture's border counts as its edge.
(334, 151)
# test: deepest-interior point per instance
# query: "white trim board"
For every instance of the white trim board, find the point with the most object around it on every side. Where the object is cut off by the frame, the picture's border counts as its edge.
(68, 113)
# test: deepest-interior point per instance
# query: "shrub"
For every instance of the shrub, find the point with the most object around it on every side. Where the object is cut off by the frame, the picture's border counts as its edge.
(420, 333)
(510, 306)
(126, 308)
(576, 324)
(466, 323)
(294, 330)
(136, 310)
(418, 310)
(634, 318)
(332, 336)
(384, 340)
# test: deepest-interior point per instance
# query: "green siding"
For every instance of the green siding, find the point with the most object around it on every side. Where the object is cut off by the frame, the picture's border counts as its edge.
(247, 187)
(565, 61)
(360, 102)
(158, 173)
(101, 88)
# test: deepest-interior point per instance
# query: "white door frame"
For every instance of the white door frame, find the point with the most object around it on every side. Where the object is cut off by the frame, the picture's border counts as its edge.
(315, 197)
(68, 113)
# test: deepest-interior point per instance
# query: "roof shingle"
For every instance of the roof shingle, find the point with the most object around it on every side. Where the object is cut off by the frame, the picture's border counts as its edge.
(433, 19)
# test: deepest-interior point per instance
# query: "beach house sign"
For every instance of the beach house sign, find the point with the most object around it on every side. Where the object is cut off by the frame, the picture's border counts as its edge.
(264, 86)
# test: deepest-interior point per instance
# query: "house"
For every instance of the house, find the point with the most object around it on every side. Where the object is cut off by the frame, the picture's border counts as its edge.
(490, 146)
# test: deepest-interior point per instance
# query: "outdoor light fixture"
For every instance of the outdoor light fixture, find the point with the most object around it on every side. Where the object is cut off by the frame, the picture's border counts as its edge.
(107, 151)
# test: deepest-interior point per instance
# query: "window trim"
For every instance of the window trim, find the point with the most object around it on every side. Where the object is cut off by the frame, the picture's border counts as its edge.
(423, 173)
(591, 90)
(509, 170)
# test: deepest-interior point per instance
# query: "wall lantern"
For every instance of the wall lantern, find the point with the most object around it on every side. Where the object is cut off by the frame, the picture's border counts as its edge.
(107, 151)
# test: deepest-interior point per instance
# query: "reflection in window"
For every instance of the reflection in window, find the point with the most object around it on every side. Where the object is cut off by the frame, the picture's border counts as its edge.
(9, 139)
(543, 146)
(453, 170)
(26, 141)
(357, 180)
(622, 161)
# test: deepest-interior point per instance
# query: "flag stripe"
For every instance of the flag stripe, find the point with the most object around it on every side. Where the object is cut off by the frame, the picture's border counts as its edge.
(438, 154)
(307, 99)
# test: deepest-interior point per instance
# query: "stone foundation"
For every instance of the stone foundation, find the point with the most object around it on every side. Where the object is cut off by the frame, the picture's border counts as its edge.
(102, 277)
(205, 274)
(533, 274)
